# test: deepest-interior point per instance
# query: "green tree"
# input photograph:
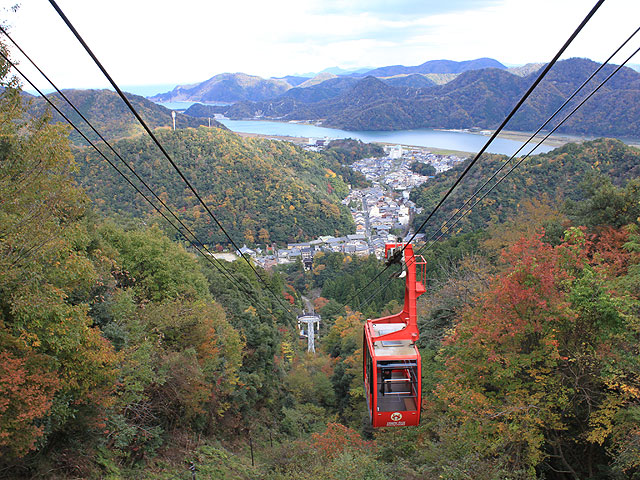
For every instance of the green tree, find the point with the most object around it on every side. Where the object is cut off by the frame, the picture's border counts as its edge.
(425, 169)
(152, 264)
(606, 204)
(62, 369)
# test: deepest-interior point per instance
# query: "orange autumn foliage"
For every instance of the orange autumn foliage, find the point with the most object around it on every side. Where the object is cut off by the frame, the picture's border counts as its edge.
(336, 439)
(26, 396)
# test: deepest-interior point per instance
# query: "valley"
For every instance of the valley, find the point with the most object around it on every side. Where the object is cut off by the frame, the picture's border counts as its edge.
(381, 212)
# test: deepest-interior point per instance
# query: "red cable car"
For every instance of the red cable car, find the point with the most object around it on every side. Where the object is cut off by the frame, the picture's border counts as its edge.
(392, 374)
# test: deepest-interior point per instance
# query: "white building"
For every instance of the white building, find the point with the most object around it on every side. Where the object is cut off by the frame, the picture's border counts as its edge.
(396, 151)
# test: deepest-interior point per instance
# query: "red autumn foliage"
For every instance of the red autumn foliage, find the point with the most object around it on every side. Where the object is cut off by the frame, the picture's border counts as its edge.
(289, 298)
(607, 254)
(532, 357)
(320, 303)
(527, 294)
(336, 439)
(26, 395)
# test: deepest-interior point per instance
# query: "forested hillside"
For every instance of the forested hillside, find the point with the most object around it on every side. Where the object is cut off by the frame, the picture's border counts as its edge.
(116, 344)
(262, 191)
(110, 116)
(205, 111)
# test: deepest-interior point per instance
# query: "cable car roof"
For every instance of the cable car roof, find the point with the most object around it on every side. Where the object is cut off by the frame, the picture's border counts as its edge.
(400, 348)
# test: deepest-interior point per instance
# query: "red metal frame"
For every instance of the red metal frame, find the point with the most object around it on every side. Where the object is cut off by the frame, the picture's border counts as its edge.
(404, 337)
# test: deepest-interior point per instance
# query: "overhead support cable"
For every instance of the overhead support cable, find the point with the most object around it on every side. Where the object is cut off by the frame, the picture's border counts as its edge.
(161, 147)
(108, 144)
(522, 159)
(511, 114)
(197, 244)
(93, 145)
(438, 234)
(526, 95)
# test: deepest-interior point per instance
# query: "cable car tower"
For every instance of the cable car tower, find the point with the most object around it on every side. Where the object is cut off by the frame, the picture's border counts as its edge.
(391, 363)
(309, 331)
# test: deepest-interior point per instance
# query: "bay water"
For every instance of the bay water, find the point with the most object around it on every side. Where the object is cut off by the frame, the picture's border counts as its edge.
(440, 139)
(462, 141)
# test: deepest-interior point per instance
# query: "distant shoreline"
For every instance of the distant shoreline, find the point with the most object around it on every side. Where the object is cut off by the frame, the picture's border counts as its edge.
(554, 141)
(303, 141)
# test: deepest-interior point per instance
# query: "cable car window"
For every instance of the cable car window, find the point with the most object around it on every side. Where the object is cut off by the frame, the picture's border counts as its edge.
(368, 377)
(397, 385)
(370, 373)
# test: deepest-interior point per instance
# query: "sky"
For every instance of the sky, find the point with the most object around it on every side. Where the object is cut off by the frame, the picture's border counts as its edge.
(161, 42)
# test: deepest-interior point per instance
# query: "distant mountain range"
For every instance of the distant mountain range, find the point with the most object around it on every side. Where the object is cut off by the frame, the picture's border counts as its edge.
(435, 94)
(237, 87)
(435, 66)
(337, 71)
(475, 98)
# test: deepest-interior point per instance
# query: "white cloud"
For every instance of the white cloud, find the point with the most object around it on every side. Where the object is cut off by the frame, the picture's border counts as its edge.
(161, 41)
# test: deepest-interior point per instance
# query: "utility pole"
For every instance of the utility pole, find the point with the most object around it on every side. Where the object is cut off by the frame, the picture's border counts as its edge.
(312, 322)
(251, 447)
(173, 115)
